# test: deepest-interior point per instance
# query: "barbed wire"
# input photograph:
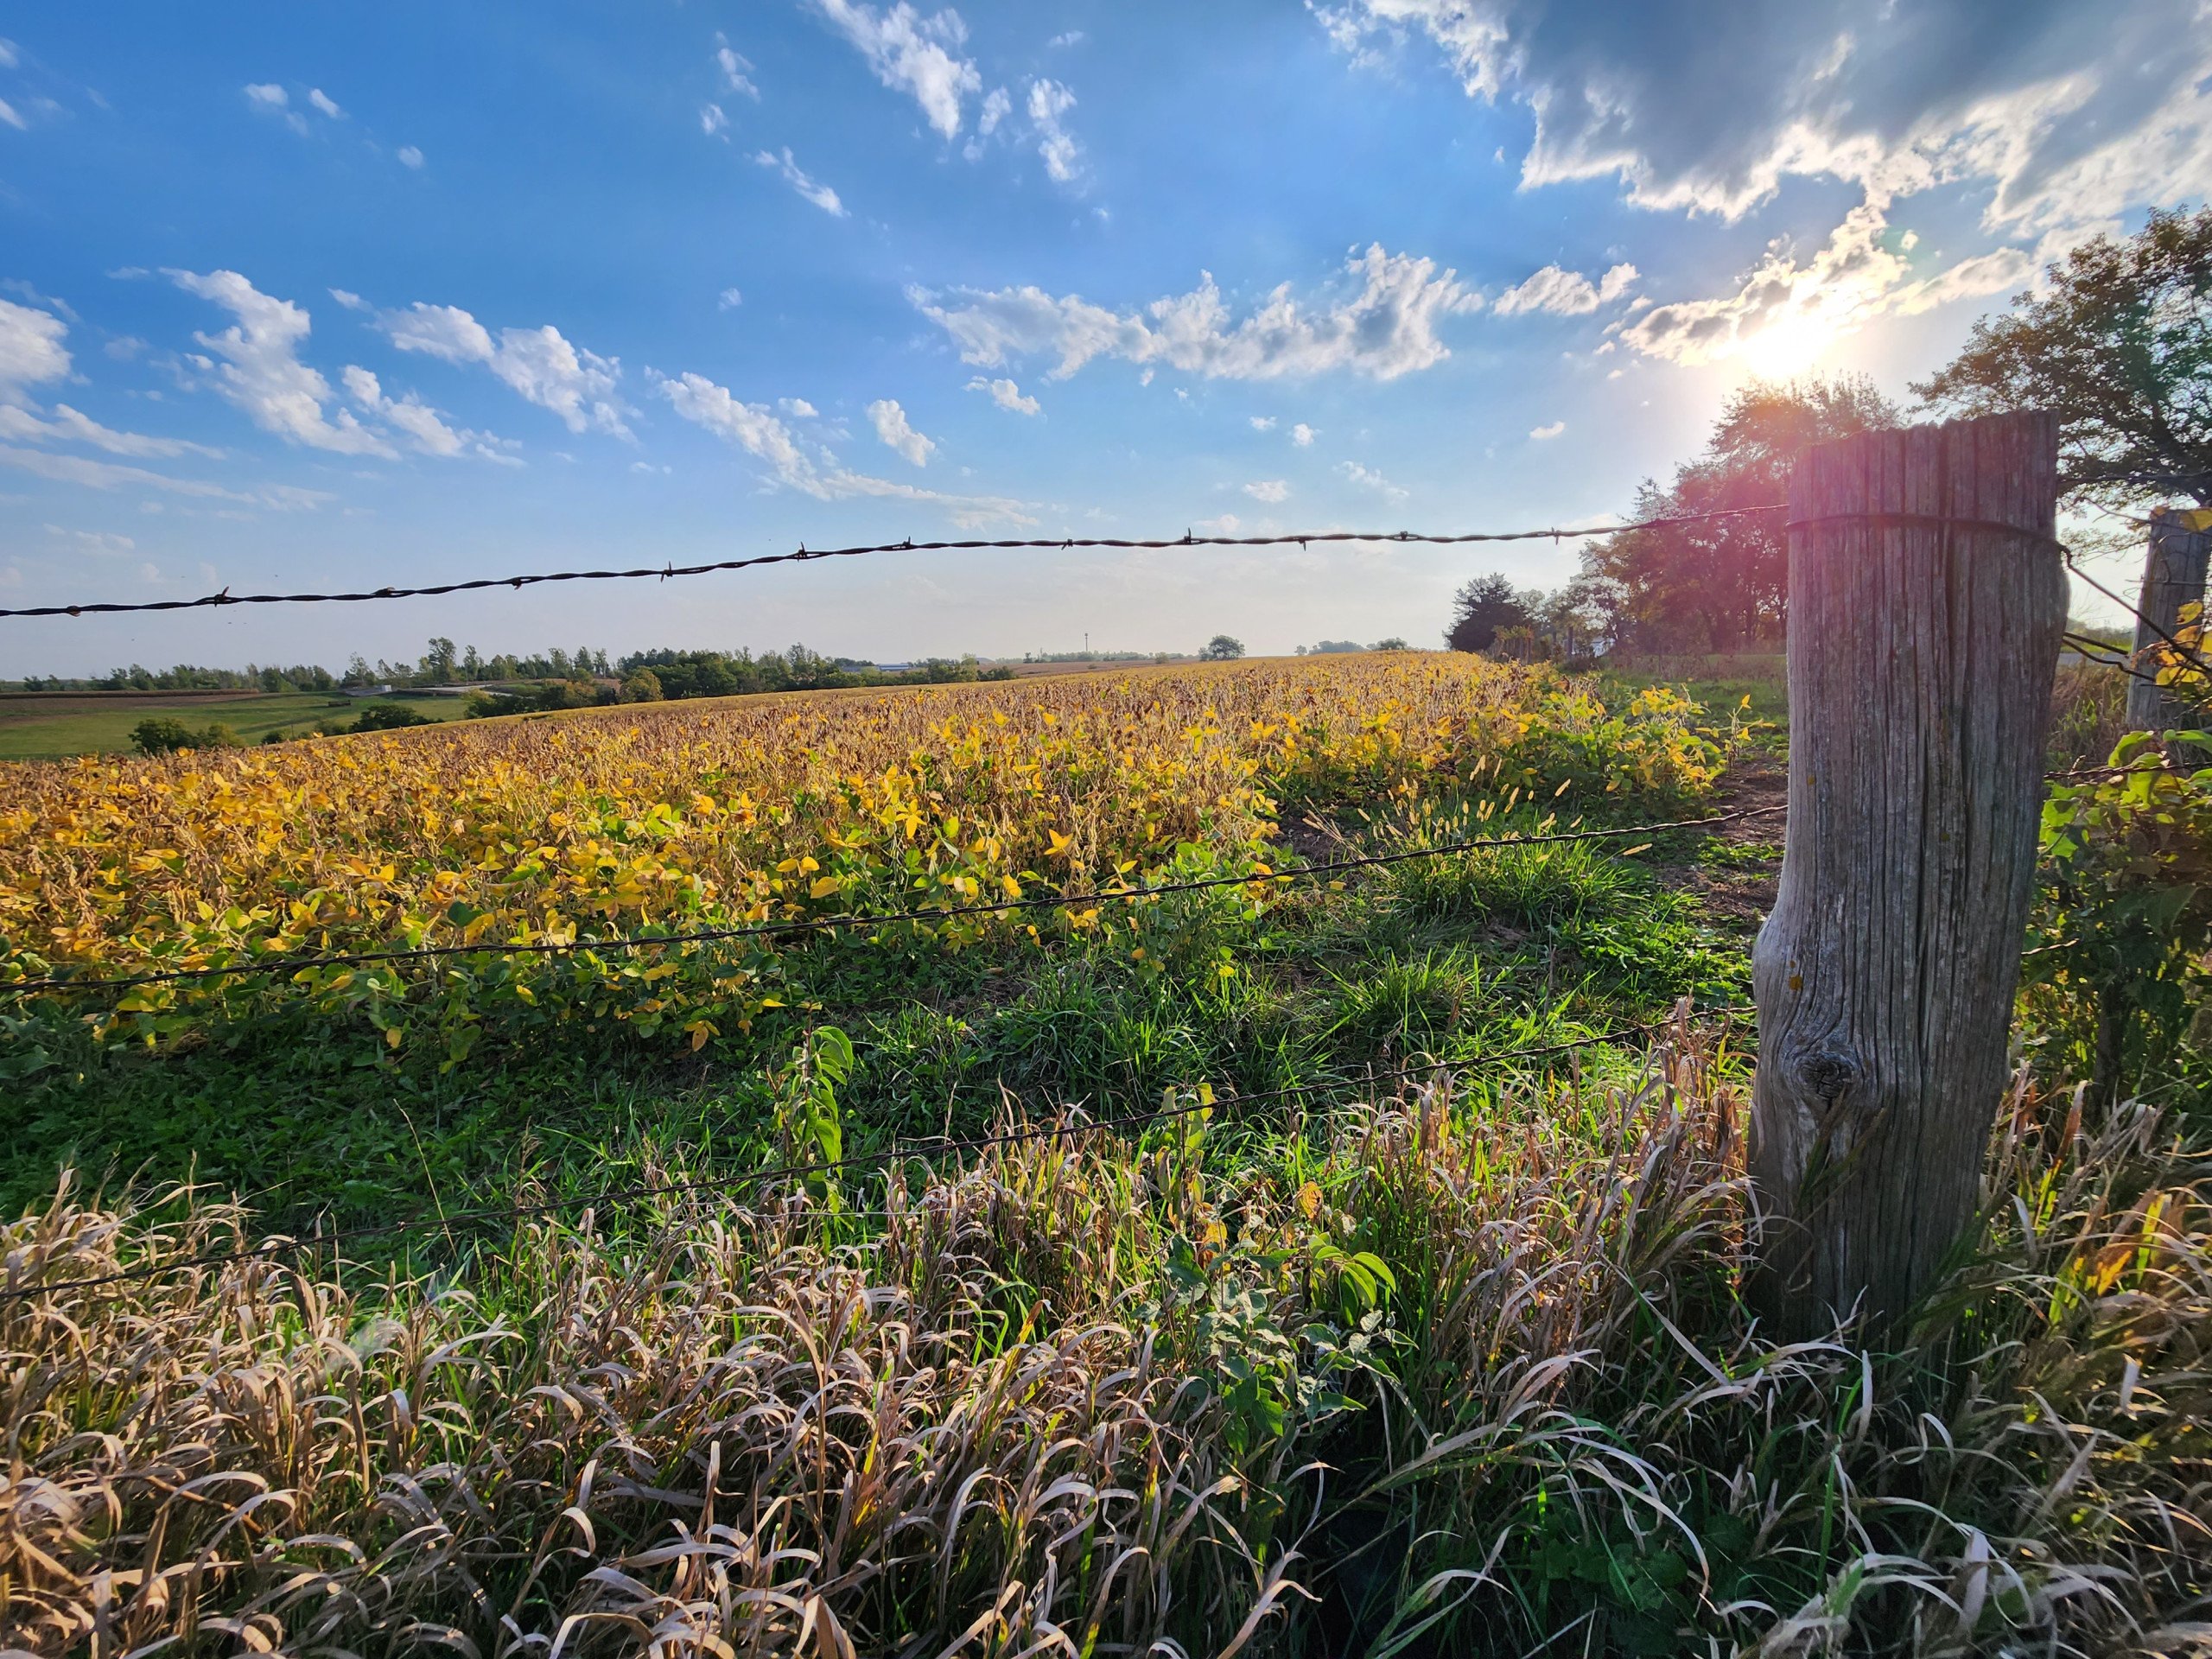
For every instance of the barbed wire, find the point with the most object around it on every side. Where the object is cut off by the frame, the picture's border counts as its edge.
(821, 923)
(2073, 564)
(277, 1248)
(1063, 543)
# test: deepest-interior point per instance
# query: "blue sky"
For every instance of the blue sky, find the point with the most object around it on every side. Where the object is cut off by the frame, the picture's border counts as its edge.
(306, 296)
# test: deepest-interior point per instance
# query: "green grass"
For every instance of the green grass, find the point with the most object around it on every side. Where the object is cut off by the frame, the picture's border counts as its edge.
(1449, 960)
(54, 729)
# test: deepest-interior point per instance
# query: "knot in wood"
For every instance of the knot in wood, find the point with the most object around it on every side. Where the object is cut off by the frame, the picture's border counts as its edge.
(1828, 1073)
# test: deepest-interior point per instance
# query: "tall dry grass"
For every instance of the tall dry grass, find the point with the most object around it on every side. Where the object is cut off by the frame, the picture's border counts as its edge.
(1094, 1397)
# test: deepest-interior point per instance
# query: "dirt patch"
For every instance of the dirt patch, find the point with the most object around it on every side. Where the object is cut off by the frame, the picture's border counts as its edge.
(1730, 874)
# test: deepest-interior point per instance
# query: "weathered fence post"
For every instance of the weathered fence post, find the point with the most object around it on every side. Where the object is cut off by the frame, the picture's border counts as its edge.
(1926, 603)
(2173, 575)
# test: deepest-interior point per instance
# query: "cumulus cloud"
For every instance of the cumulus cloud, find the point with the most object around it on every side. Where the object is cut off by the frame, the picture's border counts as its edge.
(919, 57)
(411, 157)
(1263, 422)
(1564, 292)
(325, 103)
(1007, 394)
(754, 428)
(798, 408)
(736, 69)
(1861, 272)
(712, 120)
(1387, 328)
(260, 370)
(898, 433)
(1367, 477)
(418, 422)
(1268, 490)
(1063, 157)
(26, 424)
(820, 195)
(2071, 112)
(31, 351)
(1302, 435)
(539, 365)
(1541, 433)
(729, 299)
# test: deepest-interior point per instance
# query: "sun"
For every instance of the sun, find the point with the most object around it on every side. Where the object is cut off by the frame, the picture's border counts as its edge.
(1789, 345)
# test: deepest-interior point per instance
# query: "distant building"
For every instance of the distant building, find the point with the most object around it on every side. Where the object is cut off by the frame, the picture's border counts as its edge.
(367, 690)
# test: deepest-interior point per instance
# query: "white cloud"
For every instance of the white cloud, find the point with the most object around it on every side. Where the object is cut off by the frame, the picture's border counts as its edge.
(820, 195)
(736, 69)
(1541, 433)
(912, 54)
(2086, 111)
(420, 423)
(1302, 435)
(1564, 292)
(1263, 422)
(66, 425)
(1268, 489)
(409, 157)
(1783, 313)
(1007, 394)
(1073, 37)
(94, 541)
(260, 371)
(798, 408)
(753, 429)
(7, 113)
(107, 475)
(325, 103)
(998, 103)
(897, 433)
(1370, 479)
(1386, 329)
(1048, 101)
(31, 351)
(8, 54)
(271, 99)
(729, 299)
(538, 364)
(711, 119)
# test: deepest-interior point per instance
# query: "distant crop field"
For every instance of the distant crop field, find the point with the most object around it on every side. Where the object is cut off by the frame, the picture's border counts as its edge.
(53, 725)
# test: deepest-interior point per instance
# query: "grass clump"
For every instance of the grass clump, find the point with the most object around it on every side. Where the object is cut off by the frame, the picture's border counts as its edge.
(1399, 1377)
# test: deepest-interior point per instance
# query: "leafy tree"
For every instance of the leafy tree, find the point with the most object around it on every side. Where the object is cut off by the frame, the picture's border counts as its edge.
(641, 685)
(389, 717)
(1393, 643)
(166, 734)
(1480, 609)
(2119, 345)
(1221, 649)
(1722, 584)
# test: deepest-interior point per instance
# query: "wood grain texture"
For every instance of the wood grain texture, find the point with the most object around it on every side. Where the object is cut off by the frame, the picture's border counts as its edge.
(2173, 576)
(1921, 657)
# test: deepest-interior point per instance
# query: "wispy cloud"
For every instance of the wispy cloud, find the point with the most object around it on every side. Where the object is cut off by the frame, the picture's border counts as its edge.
(820, 195)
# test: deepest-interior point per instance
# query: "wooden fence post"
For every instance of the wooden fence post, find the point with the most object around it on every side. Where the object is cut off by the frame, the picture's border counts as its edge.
(1926, 604)
(2173, 575)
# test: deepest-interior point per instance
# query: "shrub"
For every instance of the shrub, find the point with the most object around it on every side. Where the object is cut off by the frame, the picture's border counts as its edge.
(165, 735)
(390, 717)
